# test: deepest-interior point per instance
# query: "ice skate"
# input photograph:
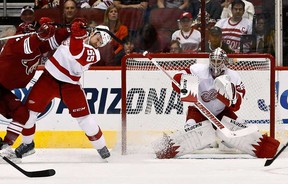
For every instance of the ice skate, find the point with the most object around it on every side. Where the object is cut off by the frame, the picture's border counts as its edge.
(7, 151)
(25, 150)
(104, 152)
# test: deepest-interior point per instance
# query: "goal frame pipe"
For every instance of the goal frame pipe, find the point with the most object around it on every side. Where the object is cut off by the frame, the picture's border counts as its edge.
(196, 55)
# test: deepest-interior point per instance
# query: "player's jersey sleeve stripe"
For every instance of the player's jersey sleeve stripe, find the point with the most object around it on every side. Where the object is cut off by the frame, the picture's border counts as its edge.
(27, 49)
(53, 43)
(64, 70)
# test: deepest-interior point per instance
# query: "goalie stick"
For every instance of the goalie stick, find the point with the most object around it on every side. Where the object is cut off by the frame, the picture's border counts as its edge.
(270, 161)
(192, 97)
(31, 174)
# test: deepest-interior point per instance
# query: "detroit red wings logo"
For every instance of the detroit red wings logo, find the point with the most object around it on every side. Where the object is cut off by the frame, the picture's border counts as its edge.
(207, 96)
(30, 64)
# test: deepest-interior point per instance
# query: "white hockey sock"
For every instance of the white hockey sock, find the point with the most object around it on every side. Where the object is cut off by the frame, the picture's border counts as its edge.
(27, 139)
(100, 143)
(32, 120)
(92, 131)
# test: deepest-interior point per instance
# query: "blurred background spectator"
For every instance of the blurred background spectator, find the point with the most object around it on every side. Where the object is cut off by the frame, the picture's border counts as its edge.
(69, 11)
(181, 4)
(138, 4)
(194, 6)
(82, 4)
(111, 19)
(27, 15)
(263, 42)
(100, 4)
(175, 47)
(188, 37)
(148, 39)
(39, 4)
(214, 9)
(236, 26)
(128, 48)
(248, 13)
(28, 24)
(215, 41)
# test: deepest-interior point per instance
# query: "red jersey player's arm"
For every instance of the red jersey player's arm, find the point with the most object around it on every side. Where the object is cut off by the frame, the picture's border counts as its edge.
(27, 44)
(56, 40)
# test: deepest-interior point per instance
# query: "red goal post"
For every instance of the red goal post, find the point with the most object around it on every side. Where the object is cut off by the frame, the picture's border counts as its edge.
(150, 106)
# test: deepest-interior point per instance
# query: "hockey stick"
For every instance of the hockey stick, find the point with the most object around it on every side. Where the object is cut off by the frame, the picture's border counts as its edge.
(17, 36)
(192, 97)
(31, 174)
(270, 161)
(93, 29)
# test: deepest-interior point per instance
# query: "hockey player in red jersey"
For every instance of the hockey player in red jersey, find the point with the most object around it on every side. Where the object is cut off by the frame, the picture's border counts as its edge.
(220, 90)
(19, 59)
(62, 72)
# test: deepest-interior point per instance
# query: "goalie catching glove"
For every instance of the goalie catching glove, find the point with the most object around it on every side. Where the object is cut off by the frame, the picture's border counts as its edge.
(226, 91)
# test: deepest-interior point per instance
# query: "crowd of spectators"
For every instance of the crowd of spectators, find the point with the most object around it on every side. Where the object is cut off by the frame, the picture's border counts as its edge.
(222, 18)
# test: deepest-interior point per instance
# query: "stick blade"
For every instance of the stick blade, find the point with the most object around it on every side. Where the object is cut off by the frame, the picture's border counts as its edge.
(31, 174)
(44, 173)
(268, 162)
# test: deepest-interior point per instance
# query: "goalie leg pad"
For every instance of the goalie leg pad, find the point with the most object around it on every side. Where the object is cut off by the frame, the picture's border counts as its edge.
(233, 124)
(267, 148)
(181, 143)
(245, 142)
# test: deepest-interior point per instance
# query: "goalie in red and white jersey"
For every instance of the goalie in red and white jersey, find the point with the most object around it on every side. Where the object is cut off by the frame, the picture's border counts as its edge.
(221, 91)
(60, 79)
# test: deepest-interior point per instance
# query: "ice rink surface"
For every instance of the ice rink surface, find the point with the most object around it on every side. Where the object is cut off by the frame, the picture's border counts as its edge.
(84, 166)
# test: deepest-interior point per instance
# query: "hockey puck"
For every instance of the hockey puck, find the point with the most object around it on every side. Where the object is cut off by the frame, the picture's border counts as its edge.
(183, 91)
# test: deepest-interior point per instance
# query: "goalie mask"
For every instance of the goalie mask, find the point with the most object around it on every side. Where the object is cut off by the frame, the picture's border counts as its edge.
(106, 38)
(217, 60)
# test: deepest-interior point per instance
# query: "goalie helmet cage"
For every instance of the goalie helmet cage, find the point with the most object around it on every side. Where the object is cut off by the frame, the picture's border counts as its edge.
(151, 107)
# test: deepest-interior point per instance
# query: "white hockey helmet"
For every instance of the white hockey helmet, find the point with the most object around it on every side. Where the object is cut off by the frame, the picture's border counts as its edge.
(106, 38)
(217, 60)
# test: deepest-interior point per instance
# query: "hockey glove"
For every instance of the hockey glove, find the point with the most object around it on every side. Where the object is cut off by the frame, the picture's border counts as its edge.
(226, 91)
(25, 28)
(45, 31)
(78, 30)
(46, 20)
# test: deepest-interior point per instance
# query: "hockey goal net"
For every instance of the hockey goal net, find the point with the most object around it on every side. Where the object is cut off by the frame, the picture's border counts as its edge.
(150, 106)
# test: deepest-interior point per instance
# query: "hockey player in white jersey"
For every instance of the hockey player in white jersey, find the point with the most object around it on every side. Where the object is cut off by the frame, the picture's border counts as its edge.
(220, 90)
(60, 79)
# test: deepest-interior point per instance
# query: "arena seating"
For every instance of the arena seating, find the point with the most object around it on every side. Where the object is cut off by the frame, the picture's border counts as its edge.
(92, 14)
(257, 5)
(166, 22)
(132, 18)
(165, 18)
(53, 13)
